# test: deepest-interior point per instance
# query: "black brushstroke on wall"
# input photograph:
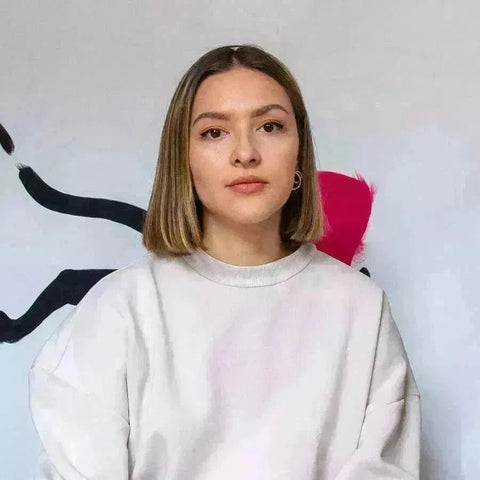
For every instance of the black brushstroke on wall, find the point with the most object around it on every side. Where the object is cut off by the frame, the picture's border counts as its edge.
(70, 286)
(118, 212)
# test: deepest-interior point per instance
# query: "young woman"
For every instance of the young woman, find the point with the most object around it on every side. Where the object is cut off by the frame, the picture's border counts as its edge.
(235, 349)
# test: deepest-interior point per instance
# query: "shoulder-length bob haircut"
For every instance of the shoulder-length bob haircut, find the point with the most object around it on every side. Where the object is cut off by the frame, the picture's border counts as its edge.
(173, 221)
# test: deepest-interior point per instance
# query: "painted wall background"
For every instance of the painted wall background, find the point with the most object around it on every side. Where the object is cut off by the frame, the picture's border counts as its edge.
(392, 93)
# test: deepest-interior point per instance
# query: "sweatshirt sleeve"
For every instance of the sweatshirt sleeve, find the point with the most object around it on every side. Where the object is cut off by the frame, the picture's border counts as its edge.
(78, 394)
(389, 443)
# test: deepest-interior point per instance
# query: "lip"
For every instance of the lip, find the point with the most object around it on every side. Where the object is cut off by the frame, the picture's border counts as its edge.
(247, 179)
(247, 188)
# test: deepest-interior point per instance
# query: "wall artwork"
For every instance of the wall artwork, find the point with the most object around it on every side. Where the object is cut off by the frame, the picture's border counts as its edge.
(347, 205)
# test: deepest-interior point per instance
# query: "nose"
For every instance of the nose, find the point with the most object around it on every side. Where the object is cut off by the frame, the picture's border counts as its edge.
(245, 148)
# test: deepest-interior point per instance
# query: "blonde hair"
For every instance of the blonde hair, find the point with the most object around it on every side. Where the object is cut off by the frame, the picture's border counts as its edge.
(173, 221)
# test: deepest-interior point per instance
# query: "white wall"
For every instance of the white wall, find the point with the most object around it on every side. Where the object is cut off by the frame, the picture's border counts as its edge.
(392, 93)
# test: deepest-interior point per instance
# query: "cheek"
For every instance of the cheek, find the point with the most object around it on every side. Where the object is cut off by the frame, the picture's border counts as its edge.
(205, 177)
(284, 152)
(199, 165)
(293, 147)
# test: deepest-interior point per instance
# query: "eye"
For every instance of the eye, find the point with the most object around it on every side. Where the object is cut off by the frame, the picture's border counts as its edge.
(204, 134)
(277, 124)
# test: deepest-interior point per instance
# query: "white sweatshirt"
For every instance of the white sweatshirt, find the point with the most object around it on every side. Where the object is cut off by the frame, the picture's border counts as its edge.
(191, 368)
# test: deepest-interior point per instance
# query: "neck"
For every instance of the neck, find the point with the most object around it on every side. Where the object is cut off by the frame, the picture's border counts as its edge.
(245, 244)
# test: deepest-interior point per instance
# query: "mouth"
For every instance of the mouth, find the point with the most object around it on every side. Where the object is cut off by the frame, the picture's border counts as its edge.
(250, 187)
(247, 179)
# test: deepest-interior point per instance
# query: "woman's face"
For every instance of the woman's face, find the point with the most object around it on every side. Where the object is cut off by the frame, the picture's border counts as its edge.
(222, 149)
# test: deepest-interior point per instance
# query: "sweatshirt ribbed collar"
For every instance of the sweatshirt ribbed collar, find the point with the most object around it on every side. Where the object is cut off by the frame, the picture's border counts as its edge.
(251, 276)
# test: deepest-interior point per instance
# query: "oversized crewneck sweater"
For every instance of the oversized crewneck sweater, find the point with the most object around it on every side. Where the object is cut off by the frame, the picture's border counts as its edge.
(186, 368)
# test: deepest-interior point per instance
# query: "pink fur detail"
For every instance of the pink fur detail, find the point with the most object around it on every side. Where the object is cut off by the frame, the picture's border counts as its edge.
(347, 205)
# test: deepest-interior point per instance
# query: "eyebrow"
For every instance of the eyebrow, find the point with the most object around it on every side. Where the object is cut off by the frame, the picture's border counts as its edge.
(258, 112)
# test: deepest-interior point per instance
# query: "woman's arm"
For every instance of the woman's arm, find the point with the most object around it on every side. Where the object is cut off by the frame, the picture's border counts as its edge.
(389, 444)
(78, 395)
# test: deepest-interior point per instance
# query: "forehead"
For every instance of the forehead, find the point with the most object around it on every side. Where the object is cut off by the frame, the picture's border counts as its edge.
(237, 89)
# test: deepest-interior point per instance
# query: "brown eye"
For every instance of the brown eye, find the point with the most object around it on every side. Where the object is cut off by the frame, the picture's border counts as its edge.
(216, 130)
(268, 126)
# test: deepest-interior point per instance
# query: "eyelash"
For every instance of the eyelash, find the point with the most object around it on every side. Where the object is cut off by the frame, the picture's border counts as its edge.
(278, 124)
